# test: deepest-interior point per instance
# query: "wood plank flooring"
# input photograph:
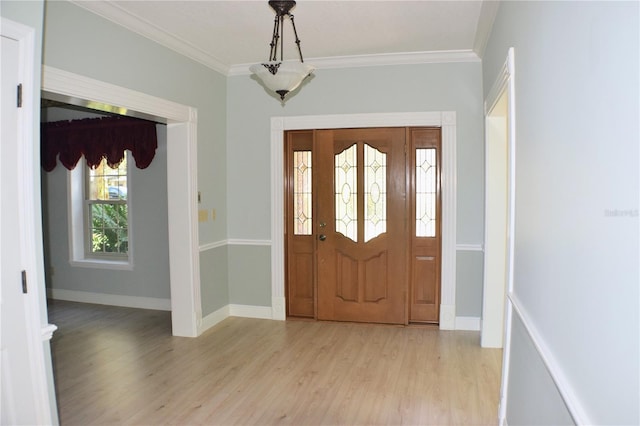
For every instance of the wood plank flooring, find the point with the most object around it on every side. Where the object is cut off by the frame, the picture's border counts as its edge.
(122, 366)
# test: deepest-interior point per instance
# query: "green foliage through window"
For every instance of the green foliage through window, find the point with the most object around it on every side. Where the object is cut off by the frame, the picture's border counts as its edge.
(106, 198)
(109, 228)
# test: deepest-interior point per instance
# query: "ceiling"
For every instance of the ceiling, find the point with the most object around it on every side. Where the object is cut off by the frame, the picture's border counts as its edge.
(227, 36)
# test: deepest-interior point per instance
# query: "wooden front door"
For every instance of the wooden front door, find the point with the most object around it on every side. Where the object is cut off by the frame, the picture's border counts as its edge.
(363, 238)
(361, 246)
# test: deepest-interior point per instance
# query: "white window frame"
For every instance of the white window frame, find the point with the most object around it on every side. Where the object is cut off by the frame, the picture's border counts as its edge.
(79, 253)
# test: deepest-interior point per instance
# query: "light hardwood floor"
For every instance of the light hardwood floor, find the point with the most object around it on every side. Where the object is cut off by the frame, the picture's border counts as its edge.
(122, 366)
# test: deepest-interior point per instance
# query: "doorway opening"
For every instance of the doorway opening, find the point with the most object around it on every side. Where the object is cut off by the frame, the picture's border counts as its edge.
(500, 140)
(186, 311)
(100, 245)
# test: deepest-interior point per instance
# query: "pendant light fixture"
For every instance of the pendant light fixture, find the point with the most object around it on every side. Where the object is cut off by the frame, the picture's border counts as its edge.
(279, 76)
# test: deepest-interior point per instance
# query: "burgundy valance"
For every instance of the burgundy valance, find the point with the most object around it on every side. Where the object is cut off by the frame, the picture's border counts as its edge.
(97, 138)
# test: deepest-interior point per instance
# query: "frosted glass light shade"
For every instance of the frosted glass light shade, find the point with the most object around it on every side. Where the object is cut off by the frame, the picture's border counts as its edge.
(287, 77)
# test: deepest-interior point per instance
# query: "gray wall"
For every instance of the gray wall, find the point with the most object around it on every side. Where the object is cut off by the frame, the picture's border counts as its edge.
(149, 231)
(83, 43)
(430, 87)
(577, 185)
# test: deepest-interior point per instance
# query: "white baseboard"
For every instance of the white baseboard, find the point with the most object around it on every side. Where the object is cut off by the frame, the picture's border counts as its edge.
(231, 310)
(248, 311)
(110, 299)
(213, 319)
(447, 317)
(468, 323)
(278, 311)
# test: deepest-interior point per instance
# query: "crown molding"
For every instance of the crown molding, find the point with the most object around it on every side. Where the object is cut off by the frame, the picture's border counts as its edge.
(488, 12)
(114, 13)
(410, 58)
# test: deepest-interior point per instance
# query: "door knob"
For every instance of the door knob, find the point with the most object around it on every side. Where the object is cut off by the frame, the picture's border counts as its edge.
(322, 237)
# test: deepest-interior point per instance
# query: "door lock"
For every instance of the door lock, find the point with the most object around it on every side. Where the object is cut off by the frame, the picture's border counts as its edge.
(322, 237)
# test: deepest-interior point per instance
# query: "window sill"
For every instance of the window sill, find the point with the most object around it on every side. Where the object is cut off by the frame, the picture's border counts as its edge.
(122, 265)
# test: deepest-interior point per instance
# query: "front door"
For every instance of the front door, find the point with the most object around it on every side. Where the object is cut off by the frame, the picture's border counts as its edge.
(361, 248)
(363, 224)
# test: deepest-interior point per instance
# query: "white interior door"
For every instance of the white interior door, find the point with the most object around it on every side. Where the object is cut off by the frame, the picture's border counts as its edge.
(16, 373)
(25, 381)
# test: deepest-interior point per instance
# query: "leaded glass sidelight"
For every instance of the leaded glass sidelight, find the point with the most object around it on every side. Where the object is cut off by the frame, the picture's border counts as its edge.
(426, 192)
(346, 187)
(302, 194)
(375, 187)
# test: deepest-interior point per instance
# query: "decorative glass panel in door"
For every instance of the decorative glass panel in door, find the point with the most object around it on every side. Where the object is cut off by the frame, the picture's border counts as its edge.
(375, 186)
(302, 194)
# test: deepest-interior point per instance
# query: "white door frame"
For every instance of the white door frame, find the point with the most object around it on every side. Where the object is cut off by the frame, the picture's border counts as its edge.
(182, 178)
(504, 84)
(446, 120)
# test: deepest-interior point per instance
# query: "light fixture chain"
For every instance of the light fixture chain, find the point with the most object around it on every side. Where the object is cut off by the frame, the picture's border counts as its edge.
(274, 39)
(295, 33)
(281, 38)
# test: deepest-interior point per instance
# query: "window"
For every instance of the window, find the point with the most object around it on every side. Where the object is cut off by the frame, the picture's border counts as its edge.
(106, 212)
(100, 215)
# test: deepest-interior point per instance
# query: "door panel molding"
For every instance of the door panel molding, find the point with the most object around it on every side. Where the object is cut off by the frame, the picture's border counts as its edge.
(444, 119)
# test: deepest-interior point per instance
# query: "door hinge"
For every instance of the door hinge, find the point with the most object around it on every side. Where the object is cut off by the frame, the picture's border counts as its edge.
(24, 282)
(19, 96)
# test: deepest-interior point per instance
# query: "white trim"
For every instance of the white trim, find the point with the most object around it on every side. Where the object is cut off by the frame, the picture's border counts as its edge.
(468, 323)
(59, 82)
(241, 242)
(232, 310)
(181, 182)
(47, 331)
(211, 246)
(408, 58)
(154, 303)
(248, 311)
(446, 120)
(449, 220)
(566, 390)
(115, 265)
(114, 13)
(469, 247)
(447, 317)
(506, 81)
(488, 12)
(278, 310)
(234, 242)
(214, 318)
